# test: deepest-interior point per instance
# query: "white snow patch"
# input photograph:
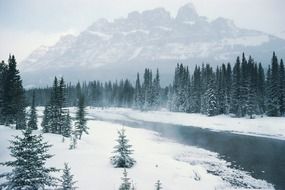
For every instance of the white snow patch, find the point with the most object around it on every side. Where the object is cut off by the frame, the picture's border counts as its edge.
(104, 36)
(136, 53)
(176, 166)
(247, 40)
(270, 127)
(135, 31)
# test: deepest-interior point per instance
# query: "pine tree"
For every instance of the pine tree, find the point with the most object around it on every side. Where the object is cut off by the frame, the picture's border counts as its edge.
(66, 127)
(67, 181)
(81, 123)
(122, 152)
(13, 97)
(261, 89)
(211, 100)
(156, 91)
(28, 168)
(273, 88)
(138, 93)
(3, 72)
(235, 106)
(126, 185)
(158, 185)
(46, 119)
(32, 123)
(282, 88)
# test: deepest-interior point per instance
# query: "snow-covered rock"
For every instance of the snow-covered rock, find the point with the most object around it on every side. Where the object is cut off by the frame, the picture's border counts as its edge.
(120, 48)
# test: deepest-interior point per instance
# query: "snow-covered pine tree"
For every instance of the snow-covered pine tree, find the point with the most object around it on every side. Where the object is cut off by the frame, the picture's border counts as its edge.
(282, 88)
(67, 181)
(158, 185)
(13, 97)
(261, 89)
(273, 88)
(73, 141)
(138, 94)
(32, 123)
(126, 184)
(3, 72)
(211, 99)
(28, 168)
(80, 120)
(122, 158)
(235, 104)
(66, 126)
(46, 120)
(156, 91)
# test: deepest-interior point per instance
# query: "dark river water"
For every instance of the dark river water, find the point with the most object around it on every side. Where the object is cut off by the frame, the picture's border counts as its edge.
(263, 157)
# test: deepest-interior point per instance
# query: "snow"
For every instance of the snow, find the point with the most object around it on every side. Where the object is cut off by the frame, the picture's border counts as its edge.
(176, 166)
(104, 36)
(137, 51)
(270, 127)
(247, 40)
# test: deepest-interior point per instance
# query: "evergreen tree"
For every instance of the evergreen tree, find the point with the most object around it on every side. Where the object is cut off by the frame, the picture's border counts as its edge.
(211, 99)
(282, 88)
(28, 168)
(158, 185)
(67, 181)
(235, 106)
(122, 152)
(3, 72)
(273, 92)
(13, 97)
(46, 119)
(261, 89)
(80, 120)
(126, 185)
(32, 123)
(138, 93)
(66, 127)
(156, 91)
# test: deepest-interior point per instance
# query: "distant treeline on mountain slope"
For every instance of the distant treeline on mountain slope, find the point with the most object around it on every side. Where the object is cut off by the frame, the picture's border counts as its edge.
(242, 89)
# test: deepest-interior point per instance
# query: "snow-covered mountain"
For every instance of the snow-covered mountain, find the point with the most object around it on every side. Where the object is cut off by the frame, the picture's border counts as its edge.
(112, 50)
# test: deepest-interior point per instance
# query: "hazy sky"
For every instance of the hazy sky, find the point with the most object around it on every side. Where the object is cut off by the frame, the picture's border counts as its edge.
(27, 24)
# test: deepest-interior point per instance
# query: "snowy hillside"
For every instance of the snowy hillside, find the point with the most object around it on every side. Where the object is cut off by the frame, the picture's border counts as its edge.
(176, 166)
(152, 38)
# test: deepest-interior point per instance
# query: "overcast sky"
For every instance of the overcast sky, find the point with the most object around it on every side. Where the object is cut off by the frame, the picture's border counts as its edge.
(27, 24)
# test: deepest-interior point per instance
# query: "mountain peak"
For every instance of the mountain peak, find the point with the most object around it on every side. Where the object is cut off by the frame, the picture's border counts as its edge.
(187, 13)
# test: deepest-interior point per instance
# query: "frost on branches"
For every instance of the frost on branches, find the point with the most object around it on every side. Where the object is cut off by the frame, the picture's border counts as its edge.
(122, 152)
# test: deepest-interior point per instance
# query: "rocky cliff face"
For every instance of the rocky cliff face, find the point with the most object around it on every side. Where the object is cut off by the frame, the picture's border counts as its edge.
(113, 50)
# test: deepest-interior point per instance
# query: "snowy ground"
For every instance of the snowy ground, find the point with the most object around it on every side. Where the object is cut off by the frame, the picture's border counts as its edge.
(178, 166)
(270, 127)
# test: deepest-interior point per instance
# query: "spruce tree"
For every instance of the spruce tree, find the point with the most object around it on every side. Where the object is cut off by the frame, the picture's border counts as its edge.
(46, 120)
(211, 99)
(138, 94)
(32, 123)
(158, 185)
(3, 72)
(235, 106)
(273, 88)
(67, 181)
(282, 88)
(80, 120)
(122, 158)
(66, 127)
(126, 185)
(156, 91)
(13, 98)
(28, 168)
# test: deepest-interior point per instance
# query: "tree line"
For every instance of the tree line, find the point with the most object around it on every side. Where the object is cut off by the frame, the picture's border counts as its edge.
(241, 89)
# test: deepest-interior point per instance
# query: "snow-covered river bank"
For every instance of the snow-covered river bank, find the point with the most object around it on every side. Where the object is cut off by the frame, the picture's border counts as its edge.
(180, 157)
